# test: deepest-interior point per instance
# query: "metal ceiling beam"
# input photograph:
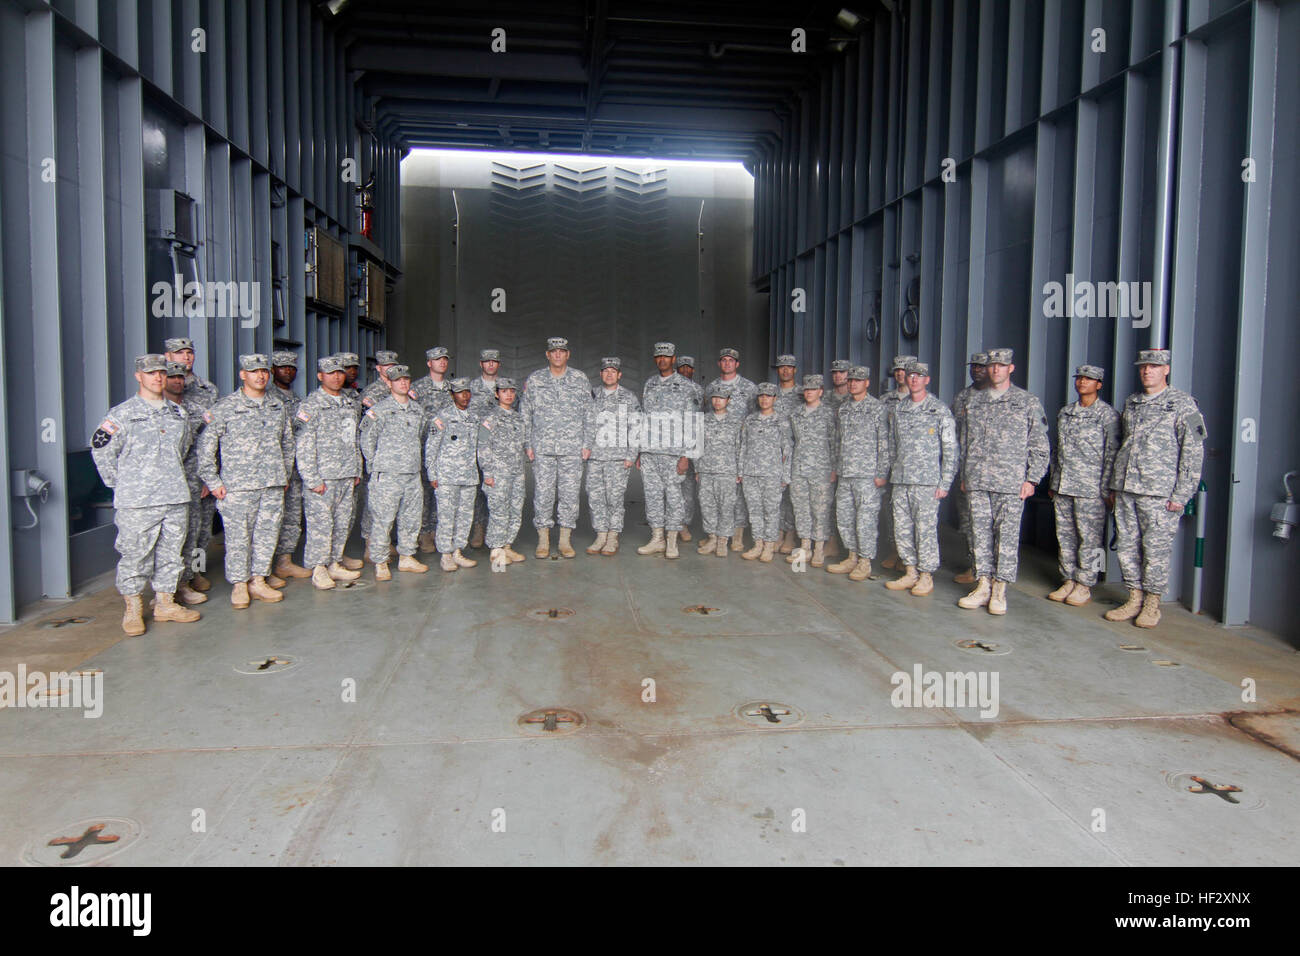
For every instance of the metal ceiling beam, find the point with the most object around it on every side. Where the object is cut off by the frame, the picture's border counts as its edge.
(420, 60)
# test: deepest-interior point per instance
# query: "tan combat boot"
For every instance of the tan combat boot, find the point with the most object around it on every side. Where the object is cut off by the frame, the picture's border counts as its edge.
(1080, 596)
(285, 568)
(598, 543)
(448, 563)
(340, 573)
(382, 573)
(543, 544)
(804, 550)
(721, 546)
(1063, 592)
(769, 550)
(408, 562)
(611, 544)
(200, 583)
(670, 545)
(238, 596)
(738, 538)
(906, 582)
(133, 619)
(977, 598)
(684, 533)
(655, 545)
(428, 542)
(259, 589)
(1128, 610)
(965, 577)
(755, 552)
(843, 567)
(320, 578)
(189, 595)
(352, 564)
(861, 571)
(275, 582)
(785, 544)
(168, 610)
(514, 556)
(708, 545)
(1150, 615)
(998, 598)
(924, 584)
(566, 549)
(463, 561)
(819, 554)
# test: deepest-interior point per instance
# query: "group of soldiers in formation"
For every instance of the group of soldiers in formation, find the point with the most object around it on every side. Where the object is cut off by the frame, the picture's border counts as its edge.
(779, 457)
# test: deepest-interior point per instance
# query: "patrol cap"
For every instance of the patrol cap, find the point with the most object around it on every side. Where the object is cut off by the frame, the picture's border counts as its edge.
(254, 361)
(152, 362)
(175, 368)
(686, 360)
(611, 361)
(489, 355)
(178, 344)
(1090, 371)
(789, 360)
(729, 353)
(1153, 357)
(665, 348)
(437, 352)
(900, 361)
(841, 365)
(330, 363)
(718, 390)
(979, 358)
(812, 381)
(767, 388)
(1000, 356)
(285, 358)
(861, 373)
(459, 385)
(386, 357)
(504, 382)
(558, 342)
(349, 358)
(917, 368)
(395, 372)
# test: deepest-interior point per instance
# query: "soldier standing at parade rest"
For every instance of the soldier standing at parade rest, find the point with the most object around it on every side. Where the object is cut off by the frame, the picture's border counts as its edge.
(139, 449)
(890, 398)
(686, 369)
(1087, 437)
(1157, 470)
(812, 470)
(718, 469)
(451, 457)
(789, 396)
(865, 457)
(960, 402)
(483, 398)
(554, 407)
(392, 438)
(766, 444)
(501, 461)
(671, 405)
(190, 555)
(204, 394)
(284, 370)
(743, 394)
(610, 444)
(432, 394)
(246, 452)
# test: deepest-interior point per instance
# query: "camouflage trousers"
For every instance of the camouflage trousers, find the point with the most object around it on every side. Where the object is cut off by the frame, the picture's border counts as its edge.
(962, 504)
(688, 494)
(741, 517)
(1144, 539)
(556, 477)
(362, 505)
(916, 526)
(995, 523)
(811, 501)
(150, 540)
(252, 521)
(198, 533)
(1080, 528)
(455, 515)
(430, 522)
(718, 494)
(505, 505)
(606, 491)
(857, 509)
(663, 491)
(763, 498)
(887, 518)
(291, 524)
(328, 519)
(787, 510)
(394, 498)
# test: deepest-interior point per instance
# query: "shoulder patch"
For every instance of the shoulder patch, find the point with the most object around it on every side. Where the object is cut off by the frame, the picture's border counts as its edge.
(101, 437)
(367, 401)
(1197, 424)
(438, 422)
(207, 416)
(487, 423)
(109, 426)
(370, 413)
(303, 414)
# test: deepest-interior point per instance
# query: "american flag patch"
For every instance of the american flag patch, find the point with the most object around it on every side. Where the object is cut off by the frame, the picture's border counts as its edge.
(438, 422)
(108, 425)
(302, 415)
(207, 417)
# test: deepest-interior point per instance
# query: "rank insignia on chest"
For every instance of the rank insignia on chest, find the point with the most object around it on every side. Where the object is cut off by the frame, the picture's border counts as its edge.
(931, 432)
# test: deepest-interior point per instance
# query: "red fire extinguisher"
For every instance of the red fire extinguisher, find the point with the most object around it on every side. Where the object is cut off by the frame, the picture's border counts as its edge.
(368, 207)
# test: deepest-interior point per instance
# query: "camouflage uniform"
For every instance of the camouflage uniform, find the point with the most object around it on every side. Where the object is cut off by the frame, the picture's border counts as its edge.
(434, 397)
(327, 455)
(193, 559)
(788, 401)
(554, 410)
(744, 394)
(766, 445)
(291, 523)
(960, 403)
(501, 457)
(451, 458)
(1005, 442)
(813, 463)
(603, 433)
(688, 479)
(392, 442)
(203, 394)
(865, 454)
(890, 399)
(675, 398)
(1086, 441)
(1159, 461)
(923, 439)
(719, 467)
(139, 450)
(255, 443)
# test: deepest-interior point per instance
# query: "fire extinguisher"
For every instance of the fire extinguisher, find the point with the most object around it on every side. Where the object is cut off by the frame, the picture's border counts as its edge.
(368, 207)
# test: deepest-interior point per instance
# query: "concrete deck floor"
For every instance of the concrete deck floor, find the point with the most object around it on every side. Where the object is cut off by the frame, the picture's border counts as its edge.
(430, 755)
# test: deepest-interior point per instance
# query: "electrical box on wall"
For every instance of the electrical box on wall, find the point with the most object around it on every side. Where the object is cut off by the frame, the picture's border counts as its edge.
(326, 282)
(169, 215)
(371, 296)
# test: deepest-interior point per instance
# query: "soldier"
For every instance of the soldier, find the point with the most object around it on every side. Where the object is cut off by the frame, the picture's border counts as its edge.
(686, 369)
(960, 402)
(250, 431)
(766, 445)
(1087, 436)
(501, 461)
(381, 387)
(139, 449)
(554, 408)
(1157, 470)
(610, 445)
(284, 369)
(1006, 455)
(483, 398)
(839, 393)
(190, 556)
(865, 457)
(923, 439)
(671, 406)
(890, 398)
(718, 469)
(203, 394)
(431, 392)
(788, 398)
(743, 393)
(812, 471)
(351, 372)
(393, 433)
(451, 456)
(330, 465)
